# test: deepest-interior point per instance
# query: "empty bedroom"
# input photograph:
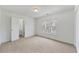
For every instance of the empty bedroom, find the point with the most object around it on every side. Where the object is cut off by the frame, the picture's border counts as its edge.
(37, 29)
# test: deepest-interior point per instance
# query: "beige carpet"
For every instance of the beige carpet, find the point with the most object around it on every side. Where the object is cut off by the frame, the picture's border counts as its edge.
(36, 45)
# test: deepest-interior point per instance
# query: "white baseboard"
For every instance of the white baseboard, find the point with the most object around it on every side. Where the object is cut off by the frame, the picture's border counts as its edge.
(57, 40)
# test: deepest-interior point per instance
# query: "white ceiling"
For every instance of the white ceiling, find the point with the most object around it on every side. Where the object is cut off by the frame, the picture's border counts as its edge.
(43, 9)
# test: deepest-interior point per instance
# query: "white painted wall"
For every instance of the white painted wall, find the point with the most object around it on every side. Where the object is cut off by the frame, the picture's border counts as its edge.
(29, 27)
(77, 28)
(5, 25)
(29, 23)
(64, 28)
(38, 26)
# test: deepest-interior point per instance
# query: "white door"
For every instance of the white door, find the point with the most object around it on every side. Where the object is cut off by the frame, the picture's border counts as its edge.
(14, 28)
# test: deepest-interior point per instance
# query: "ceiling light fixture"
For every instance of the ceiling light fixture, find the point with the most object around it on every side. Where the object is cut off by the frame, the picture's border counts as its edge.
(35, 9)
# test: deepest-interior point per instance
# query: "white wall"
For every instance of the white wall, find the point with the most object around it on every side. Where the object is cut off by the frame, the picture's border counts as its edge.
(39, 27)
(77, 28)
(5, 25)
(64, 28)
(29, 23)
(5, 33)
(29, 27)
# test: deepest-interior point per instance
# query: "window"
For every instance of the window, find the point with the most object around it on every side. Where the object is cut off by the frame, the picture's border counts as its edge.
(49, 27)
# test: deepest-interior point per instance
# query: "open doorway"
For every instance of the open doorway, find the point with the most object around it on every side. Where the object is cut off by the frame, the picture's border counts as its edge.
(17, 26)
(21, 28)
